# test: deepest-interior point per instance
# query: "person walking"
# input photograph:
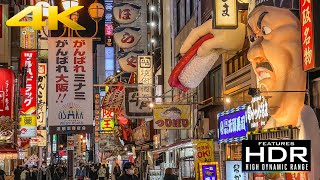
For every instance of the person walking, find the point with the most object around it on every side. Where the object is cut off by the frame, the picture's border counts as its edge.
(24, 174)
(107, 172)
(17, 173)
(169, 175)
(80, 172)
(33, 173)
(44, 172)
(102, 172)
(2, 174)
(117, 171)
(128, 172)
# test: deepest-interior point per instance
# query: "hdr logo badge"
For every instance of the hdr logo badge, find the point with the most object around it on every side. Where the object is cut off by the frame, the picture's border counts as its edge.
(53, 18)
(276, 155)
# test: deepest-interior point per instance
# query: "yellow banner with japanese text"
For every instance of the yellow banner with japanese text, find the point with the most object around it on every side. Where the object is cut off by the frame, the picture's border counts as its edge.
(28, 120)
(204, 152)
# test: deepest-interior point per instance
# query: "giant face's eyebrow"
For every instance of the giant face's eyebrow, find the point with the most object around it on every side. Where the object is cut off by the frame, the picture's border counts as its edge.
(260, 19)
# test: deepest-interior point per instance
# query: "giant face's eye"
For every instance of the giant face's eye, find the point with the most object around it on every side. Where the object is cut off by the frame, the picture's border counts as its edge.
(266, 30)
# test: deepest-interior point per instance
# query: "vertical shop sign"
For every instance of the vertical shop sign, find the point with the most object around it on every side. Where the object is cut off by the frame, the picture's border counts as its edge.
(234, 171)
(107, 121)
(28, 120)
(70, 85)
(209, 170)
(28, 36)
(70, 146)
(145, 77)
(108, 30)
(109, 61)
(42, 96)
(6, 92)
(309, 17)
(97, 115)
(42, 138)
(225, 14)
(204, 152)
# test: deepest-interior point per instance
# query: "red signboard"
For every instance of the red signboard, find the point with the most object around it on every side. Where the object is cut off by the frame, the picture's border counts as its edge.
(297, 176)
(29, 93)
(108, 29)
(6, 92)
(309, 17)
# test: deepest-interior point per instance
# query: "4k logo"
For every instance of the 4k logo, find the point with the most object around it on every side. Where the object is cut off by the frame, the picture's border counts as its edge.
(37, 23)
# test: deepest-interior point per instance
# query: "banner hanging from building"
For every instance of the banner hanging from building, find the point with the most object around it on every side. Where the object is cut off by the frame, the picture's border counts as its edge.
(309, 16)
(234, 171)
(70, 85)
(204, 152)
(145, 78)
(6, 103)
(171, 116)
(42, 96)
(232, 125)
(28, 120)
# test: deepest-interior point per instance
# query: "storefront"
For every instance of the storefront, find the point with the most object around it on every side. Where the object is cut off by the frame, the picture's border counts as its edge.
(8, 158)
(232, 129)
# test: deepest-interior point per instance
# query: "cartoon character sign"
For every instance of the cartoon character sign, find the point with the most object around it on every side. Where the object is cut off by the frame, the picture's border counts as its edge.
(275, 54)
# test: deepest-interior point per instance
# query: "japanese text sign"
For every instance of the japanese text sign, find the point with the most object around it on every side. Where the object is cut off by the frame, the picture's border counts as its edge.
(171, 116)
(234, 171)
(28, 36)
(232, 125)
(29, 93)
(127, 37)
(309, 17)
(136, 107)
(107, 124)
(129, 61)
(42, 96)
(6, 92)
(28, 125)
(225, 14)
(145, 77)
(70, 85)
(126, 13)
(257, 113)
(209, 170)
(204, 152)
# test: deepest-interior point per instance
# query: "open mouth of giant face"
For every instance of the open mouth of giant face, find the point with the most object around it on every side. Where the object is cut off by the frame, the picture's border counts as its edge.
(190, 70)
(264, 71)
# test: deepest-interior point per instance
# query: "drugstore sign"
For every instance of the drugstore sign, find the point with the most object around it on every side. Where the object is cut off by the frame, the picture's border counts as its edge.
(53, 18)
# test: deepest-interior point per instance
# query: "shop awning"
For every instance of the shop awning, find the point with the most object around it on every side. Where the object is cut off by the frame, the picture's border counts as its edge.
(181, 144)
(8, 151)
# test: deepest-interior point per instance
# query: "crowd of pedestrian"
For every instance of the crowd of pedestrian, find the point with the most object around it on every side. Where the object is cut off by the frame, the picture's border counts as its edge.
(83, 172)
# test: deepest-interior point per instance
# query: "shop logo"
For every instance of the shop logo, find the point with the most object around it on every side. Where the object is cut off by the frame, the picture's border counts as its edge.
(54, 17)
(279, 155)
(71, 112)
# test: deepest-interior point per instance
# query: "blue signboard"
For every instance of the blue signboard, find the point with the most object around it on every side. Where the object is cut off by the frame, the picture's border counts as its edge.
(209, 171)
(232, 125)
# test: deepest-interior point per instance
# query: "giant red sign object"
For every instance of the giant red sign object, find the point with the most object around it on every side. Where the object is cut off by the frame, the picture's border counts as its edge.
(309, 17)
(29, 93)
(6, 92)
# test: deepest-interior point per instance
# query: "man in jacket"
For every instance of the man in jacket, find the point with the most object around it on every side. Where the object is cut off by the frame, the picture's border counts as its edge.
(128, 172)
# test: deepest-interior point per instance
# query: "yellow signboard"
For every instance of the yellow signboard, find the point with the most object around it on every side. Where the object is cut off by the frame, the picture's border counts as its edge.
(107, 125)
(204, 152)
(28, 120)
(42, 137)
(171, 116)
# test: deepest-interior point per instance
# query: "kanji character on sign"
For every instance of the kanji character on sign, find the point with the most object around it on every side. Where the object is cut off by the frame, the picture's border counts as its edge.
(79, 86)
(62, 87)
(79, 78)
(79, 95)
(61, 77)
(60, 52)
(307, 37)
(225, 12)
(307, 55)
(60, 67)
(306, 16)
(79, 53)
(306, 1)
(78, 43)
(79, 60)
(60, 43)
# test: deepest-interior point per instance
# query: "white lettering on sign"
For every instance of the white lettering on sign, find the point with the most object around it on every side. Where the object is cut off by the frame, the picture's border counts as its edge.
(233, 125)
(257, 112)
